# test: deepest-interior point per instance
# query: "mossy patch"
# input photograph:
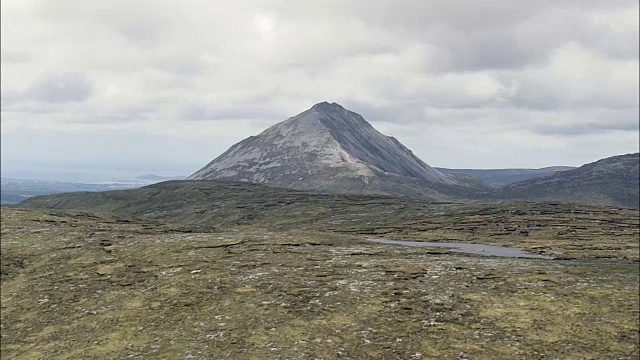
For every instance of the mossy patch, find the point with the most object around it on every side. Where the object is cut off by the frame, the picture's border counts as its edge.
(301, 294)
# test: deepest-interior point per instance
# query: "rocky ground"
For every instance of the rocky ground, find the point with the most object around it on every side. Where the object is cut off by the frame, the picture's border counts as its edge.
(79, 286)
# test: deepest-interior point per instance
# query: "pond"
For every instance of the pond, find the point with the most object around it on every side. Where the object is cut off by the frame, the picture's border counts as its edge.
(478, 249)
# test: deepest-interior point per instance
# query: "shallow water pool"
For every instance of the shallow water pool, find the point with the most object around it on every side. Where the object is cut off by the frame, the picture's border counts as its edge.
(478, 249)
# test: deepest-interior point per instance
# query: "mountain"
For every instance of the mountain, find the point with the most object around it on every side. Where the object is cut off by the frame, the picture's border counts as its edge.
(501, 177)
(614, 180)
(328, 148)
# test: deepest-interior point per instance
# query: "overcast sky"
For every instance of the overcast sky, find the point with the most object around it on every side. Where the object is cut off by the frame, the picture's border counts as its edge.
(166, 86)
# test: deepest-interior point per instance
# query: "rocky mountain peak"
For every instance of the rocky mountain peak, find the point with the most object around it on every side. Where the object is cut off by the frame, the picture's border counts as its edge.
(336, 113)
(324, 147)
(326, 106)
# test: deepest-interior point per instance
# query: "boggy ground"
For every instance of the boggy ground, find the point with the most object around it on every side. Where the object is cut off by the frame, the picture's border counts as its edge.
(76, 286)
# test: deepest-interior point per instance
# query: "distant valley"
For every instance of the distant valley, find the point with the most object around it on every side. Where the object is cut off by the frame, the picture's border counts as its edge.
(500, 177)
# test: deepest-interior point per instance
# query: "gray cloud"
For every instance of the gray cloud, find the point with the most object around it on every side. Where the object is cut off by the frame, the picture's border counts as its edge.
(141, 34)
(589, 122)
(65, 87)
(473, 35)
(130, 114)
(456, 81)
(238, 111)
(182, 66)
(15, 56)
(582, 129)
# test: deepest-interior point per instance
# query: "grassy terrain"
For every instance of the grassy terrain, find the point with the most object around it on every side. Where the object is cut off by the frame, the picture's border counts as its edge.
(564, 230)
(261, 280)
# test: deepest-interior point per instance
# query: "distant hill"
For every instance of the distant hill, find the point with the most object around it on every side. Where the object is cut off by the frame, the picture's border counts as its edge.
(215, 204)
(16, 190)
(614, 180)
(229, 203)
(157, 178)
(328, 148)
(501, 177)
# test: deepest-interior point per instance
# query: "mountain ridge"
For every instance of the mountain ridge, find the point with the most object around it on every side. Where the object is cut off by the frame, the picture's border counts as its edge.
(612, 180)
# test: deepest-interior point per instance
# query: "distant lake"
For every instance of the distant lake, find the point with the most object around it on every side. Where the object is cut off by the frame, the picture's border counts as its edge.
(478, 249)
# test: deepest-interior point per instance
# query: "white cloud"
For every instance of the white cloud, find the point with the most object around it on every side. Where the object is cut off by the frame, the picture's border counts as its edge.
(502, 80)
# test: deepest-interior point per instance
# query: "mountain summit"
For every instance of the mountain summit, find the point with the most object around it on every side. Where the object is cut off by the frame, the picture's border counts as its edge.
(327, 148)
